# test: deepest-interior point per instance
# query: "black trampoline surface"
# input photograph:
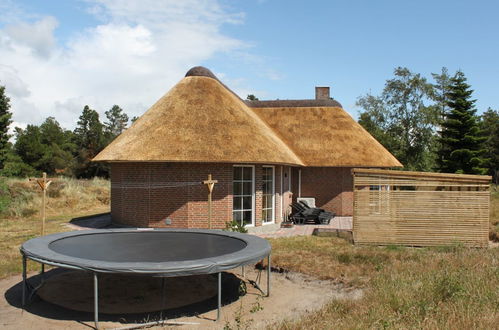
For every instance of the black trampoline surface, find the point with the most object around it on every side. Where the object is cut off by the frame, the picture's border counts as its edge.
(165, 252)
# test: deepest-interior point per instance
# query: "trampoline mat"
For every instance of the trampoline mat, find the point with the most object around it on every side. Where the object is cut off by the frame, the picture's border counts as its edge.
(161, 252)
(147, 246)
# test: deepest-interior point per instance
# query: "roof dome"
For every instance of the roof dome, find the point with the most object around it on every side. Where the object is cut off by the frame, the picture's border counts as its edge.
(200, 71)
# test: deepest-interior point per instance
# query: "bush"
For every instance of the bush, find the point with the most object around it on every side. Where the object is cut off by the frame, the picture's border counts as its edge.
(235, 226)
(4, 196)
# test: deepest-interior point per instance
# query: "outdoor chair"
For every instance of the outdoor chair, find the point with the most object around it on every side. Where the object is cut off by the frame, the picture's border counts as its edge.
(323, 217)
(304, 214)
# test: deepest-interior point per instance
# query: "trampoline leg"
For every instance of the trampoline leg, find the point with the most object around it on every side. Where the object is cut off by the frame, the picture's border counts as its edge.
(242, 270)
(96, 301)
(268, 275)
(219, 295)
(163, 294)
(24, 280)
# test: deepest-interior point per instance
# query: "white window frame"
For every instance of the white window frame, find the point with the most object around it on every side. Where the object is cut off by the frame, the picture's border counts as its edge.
(273, 196)
(252, 193)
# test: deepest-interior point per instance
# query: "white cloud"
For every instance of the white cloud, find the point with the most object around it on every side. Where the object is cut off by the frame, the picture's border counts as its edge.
(39, 36)
(137, 52)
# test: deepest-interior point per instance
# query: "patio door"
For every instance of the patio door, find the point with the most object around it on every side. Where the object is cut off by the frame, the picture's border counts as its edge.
(268, 194)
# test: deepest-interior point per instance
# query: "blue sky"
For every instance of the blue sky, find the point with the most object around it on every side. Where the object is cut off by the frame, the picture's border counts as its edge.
(57, 56)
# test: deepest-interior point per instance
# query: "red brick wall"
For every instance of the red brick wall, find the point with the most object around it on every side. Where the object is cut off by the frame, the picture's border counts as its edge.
(332, 188)
(145, 194)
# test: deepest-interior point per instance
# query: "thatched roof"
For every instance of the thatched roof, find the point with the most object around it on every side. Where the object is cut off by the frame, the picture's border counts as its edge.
(292, 103)
(201, 120)
(327, 136)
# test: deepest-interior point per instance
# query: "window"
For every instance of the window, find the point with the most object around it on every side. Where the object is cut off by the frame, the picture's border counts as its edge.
(243, 194)
(268, 194)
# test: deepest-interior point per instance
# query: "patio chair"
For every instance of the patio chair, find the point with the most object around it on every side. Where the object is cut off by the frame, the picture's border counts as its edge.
(302, 215)
(323, 217)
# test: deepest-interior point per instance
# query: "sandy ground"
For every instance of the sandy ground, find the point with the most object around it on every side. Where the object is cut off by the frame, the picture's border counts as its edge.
(67, 294)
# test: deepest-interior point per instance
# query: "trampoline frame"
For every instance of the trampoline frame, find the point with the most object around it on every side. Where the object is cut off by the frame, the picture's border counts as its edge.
(95, 272)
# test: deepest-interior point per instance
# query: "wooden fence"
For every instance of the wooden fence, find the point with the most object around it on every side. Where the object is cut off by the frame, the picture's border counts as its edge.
(420, 209)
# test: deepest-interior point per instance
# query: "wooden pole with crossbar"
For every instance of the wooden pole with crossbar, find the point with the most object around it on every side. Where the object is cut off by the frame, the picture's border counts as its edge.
(210, 184)
(44, 184)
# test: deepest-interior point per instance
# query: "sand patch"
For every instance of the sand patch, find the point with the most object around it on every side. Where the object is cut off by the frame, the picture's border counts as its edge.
(188, 299)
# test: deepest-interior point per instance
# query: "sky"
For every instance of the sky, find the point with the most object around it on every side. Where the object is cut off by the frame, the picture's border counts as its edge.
(56, 56)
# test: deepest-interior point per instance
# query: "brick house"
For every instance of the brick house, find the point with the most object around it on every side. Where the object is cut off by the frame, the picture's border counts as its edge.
(264, 154)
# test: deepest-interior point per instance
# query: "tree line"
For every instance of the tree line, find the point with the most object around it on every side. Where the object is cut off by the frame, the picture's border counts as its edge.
(55, 150)
(433, 125)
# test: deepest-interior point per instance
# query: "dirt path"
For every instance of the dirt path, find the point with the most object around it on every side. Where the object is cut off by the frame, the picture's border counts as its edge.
(292, 295)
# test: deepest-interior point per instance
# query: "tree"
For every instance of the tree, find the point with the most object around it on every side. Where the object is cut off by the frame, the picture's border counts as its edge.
(461, 140)
(403, 119)
(490, 125)
(59, 148)
(45, 148)
(29, 145)
(89, 139)
(251, 97)
(117, 122)
(5, 121)
(441, 88)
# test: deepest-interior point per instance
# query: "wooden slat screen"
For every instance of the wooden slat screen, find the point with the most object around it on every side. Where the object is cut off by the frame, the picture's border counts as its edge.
(420, 209)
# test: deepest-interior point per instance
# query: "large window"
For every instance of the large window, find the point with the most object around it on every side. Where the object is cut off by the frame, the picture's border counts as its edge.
(268, 194)
(242, 204)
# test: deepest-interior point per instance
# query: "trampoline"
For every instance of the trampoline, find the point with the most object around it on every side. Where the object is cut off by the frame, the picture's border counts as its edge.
(151, 252)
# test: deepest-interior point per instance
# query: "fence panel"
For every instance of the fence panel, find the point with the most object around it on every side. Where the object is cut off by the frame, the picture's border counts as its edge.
(420, 209)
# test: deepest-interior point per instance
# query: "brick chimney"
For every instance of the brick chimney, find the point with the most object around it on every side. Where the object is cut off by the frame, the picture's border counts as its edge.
(322, 93)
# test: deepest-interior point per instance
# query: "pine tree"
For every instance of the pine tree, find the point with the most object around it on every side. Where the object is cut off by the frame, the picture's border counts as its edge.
(5, 121)
(490, 125)
(117, 121)
(89, 138)
(461, 140)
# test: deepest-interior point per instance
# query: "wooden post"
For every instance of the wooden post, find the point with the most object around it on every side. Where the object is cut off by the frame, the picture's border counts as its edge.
(44, 184)
(210, 184)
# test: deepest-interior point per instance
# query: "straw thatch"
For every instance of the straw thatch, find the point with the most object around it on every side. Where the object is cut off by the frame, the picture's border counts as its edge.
(199, 120)
(327, 136)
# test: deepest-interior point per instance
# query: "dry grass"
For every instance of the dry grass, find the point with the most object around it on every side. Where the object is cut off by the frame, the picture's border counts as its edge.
(68, 198)
(494, 214)
(405, 288)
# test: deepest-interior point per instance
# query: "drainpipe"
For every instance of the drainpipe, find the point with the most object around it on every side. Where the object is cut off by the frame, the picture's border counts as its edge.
(299, 183)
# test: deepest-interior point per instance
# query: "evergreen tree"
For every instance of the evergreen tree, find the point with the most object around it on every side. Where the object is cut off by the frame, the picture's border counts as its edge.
(5, 121)
(117, 121)
(461, 140)
(251, 97)
(440, 91)
(90, 140)
(29, 145)
(45, 148)
(490, 125)
(59, 148)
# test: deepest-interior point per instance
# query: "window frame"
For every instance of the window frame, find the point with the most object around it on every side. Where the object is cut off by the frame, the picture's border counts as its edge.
(252, 193)
(273, 208)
